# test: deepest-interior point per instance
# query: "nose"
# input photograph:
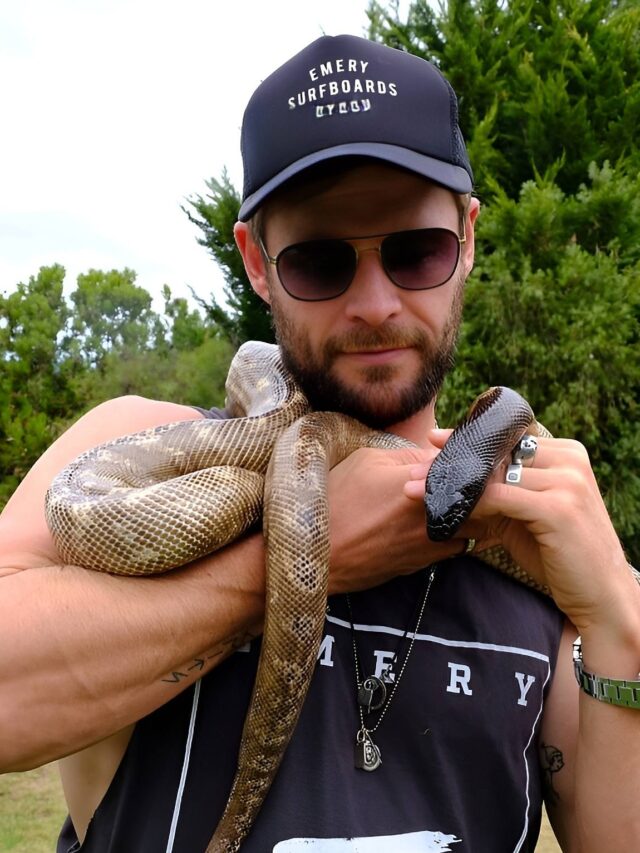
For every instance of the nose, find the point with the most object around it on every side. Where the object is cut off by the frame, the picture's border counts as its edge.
(372, 297)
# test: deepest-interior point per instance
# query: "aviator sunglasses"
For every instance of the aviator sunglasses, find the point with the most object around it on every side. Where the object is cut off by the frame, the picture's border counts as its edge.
(420, 259)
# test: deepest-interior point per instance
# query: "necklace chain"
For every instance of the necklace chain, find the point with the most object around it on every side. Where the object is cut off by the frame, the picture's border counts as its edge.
(367, 752)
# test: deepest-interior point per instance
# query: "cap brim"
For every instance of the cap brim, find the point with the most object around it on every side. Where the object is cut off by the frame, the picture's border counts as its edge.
(454, 178)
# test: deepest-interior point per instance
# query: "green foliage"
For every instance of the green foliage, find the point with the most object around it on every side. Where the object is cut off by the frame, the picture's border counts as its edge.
(111, 313)
(188, 329)
(193, 377)
(35, 390)
(550, 84)
(58, 362)
(215, 215)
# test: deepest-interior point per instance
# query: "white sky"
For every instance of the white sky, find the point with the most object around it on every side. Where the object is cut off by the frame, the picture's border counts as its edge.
(114, 111)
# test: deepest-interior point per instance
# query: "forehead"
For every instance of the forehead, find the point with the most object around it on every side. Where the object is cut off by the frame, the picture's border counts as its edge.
(371, 198)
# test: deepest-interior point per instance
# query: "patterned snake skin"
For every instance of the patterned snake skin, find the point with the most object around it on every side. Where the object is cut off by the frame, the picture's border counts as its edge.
(158, 499)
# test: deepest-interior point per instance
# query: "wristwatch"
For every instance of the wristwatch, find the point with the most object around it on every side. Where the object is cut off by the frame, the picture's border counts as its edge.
(611, 690)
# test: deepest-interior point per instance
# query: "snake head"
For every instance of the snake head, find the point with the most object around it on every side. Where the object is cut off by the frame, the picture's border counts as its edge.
(451, 495)
(460, 472)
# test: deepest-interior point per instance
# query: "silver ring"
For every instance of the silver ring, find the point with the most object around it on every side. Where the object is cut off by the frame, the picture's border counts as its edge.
(525, 450)
(469, 546)
(523, 453)
(514, 474)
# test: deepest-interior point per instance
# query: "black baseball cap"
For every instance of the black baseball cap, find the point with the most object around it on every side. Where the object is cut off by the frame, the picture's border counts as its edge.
(345, 96)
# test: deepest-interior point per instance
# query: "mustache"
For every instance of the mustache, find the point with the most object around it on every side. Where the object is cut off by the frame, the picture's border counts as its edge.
(389, 337)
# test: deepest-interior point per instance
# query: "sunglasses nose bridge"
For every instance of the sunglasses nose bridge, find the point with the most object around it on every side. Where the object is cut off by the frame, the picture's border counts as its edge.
(377, 249)
(359, 252)
(372, 294)
(374, 245)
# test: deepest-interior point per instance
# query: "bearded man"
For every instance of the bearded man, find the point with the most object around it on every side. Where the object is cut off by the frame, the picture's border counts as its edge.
(442, 687)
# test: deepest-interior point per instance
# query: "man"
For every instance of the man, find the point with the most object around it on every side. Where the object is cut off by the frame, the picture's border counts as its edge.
(455, 690)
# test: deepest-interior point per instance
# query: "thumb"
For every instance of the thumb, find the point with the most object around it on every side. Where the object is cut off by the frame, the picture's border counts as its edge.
(415, 485)
(439, 437)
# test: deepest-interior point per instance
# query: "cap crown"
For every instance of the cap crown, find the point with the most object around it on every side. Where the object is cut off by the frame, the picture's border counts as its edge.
(346, 95)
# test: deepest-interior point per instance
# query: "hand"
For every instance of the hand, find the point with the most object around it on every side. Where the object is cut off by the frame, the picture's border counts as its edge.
(376, 531)
(555, 525)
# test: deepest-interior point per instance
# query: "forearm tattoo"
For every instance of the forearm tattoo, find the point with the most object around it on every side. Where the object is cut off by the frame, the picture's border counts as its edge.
(194, 668)
(551, 761)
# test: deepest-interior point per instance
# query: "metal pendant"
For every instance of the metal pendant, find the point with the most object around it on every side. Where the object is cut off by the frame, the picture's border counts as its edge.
(367, 753)
(372, 694)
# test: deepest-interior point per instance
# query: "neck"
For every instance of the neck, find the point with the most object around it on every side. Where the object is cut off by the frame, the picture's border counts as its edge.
(416, 427)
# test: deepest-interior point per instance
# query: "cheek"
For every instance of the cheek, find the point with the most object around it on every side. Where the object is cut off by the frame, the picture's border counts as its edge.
(312, 322)
(432, 308)
(442, 304)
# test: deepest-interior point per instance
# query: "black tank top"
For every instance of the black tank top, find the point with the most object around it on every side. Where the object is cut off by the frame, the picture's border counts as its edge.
(459, 740)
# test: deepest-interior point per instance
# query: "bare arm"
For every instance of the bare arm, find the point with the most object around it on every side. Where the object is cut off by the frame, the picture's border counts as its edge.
(83, 654)
(556, 526)
(588, 756)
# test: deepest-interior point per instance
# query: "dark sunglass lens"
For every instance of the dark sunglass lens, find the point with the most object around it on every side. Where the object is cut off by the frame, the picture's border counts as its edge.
(321, 269)
(417, 260)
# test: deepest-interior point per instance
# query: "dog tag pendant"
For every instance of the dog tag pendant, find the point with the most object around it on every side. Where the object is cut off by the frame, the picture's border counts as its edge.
(367, 754)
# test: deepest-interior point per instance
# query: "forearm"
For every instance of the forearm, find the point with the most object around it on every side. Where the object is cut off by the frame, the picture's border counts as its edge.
(607, 770)
(98, 652)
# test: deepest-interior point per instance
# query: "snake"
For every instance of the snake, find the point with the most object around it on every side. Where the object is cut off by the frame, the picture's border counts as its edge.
(160, 498)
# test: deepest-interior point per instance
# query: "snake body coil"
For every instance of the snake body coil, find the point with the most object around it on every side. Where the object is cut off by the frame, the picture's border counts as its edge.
(152, 501)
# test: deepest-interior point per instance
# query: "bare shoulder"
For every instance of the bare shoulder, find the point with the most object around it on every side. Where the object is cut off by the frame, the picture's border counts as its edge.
(24, 536)
(124, 415)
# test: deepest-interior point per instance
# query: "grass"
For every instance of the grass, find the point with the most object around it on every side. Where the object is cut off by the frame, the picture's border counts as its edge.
(32, 810)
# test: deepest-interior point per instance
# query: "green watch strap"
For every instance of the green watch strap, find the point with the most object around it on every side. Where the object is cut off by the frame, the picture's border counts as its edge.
(614, 691)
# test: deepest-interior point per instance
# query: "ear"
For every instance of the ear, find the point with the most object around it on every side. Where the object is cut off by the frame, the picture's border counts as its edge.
(469, 247)
(253, 258)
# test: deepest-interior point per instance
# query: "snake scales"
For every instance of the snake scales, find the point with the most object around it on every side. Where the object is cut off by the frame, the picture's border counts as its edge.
(158, 499)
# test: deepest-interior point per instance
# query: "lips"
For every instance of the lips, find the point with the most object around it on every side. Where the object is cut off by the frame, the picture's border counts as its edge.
(376, 356)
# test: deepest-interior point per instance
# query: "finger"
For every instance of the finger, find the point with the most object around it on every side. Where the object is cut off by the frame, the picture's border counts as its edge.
(534, 479)
(551, 453)
(527, 502)
(419, 472)
(559, 486)
(414, 488)
(438, 437)
(563, 446)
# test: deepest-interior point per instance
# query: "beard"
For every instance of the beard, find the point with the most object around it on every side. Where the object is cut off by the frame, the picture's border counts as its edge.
(380, 399)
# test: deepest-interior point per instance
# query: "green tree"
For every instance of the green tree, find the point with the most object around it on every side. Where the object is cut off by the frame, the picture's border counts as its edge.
(550, 83)
(111, 314)
(37, 378)
(57, 363)
(177, 355)
(193, 376)
(215, 215)
(184, 326)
